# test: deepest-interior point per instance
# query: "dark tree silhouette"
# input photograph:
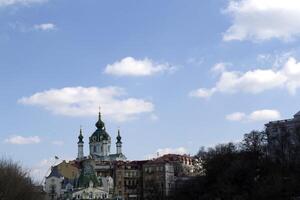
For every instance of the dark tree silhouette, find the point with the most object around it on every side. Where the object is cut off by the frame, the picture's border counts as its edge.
(247, 170)
(15, 183)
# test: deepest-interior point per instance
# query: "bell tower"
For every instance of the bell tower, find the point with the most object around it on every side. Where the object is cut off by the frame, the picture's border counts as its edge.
(80, 154)
(119, 143)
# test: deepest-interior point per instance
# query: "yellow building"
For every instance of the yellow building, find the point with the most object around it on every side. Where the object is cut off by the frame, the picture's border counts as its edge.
(68, 170)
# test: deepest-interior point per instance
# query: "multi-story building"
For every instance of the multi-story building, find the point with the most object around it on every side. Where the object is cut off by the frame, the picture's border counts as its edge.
(129, 180)
(283, 135)
(158, 179)
(183, 164)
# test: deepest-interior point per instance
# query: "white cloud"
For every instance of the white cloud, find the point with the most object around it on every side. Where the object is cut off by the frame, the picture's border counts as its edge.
(45, 27)
(81, 101)
(220, 67)
(17, 139)
(25, 28)
(237, 116)
(132, 67)
(202, 92)
(256, 81)
(264, 115)
(161, 152)
(263, 19)
(258, 115)
(4, 3)
(58, 142)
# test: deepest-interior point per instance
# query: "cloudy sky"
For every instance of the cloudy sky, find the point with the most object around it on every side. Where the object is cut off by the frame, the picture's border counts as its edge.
(173, 75)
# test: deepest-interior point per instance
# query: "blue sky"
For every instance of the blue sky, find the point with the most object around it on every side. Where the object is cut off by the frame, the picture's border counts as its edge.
(173, 75)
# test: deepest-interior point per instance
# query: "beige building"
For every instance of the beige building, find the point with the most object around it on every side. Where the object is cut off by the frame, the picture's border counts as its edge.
(68, 169)
(129, 180)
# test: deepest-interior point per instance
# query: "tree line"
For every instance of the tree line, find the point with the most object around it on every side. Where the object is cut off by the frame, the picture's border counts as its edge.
(251, 169)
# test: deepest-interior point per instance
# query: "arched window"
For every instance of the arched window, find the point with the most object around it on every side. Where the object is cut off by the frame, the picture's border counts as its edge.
(95, 148)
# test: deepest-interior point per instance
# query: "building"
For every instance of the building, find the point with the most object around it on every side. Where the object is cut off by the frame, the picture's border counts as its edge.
(61, 180)
(183, 164)
(68, 170)
(158, 179)
(283, 135)
(53, 184)
(90, 192)
(105, 175)
(129, 180)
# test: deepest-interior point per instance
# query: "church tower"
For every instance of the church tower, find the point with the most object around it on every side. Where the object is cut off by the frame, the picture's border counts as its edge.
(80, 154)
(100, 141)
(119, 143)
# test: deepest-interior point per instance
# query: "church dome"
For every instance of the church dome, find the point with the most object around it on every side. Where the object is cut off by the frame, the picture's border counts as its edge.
(100, 134)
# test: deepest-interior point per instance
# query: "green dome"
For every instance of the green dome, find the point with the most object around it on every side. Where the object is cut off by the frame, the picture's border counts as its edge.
(100, 134)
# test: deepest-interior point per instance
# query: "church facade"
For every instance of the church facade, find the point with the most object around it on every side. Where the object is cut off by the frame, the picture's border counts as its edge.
(100, 145)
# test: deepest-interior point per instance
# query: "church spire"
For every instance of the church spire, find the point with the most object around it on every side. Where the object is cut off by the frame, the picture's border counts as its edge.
(80, 137)
(80, 154)
(119, 143)
(100, 124)
(119, 137)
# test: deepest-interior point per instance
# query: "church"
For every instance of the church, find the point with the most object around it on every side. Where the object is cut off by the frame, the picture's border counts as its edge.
(100, 144)
(91, 176)
(105, 175)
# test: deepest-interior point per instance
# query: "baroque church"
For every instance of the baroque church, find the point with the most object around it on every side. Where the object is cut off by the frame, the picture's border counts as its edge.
(100, 144)
(91, 176)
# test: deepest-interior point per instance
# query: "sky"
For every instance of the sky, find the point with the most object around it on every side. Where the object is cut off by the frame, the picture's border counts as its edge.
(172, 75)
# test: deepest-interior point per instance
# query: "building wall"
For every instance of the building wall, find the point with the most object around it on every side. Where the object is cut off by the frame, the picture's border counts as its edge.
(158, 180)
(68, 170)
(129, 181)
(283, 138)
(53, 187)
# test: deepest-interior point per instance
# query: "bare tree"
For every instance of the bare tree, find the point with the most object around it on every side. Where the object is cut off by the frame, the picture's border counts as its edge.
(15, 183)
